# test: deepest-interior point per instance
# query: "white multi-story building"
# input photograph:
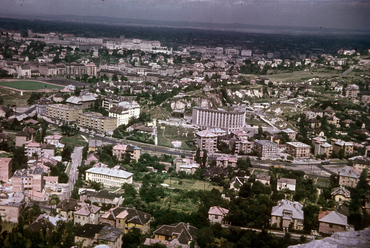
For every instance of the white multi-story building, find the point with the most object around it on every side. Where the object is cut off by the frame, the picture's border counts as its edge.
(227, 120)
(109, 177)
(121, 108)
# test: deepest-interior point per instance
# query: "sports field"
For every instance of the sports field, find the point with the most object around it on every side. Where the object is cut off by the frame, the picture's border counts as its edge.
(28, 85)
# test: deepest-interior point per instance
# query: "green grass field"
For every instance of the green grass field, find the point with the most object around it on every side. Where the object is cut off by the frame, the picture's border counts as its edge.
(75, 140)
(190, 184)
(29, 85)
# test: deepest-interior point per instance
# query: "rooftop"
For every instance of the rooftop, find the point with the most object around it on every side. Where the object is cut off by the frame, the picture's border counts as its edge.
(110, 172)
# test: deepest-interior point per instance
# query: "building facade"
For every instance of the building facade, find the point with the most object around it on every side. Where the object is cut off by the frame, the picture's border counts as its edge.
(119, 151)
(5, 169)
(63, 112)
(232, 120)
(338, 145)
(217, 214)
(265, 148)
(97, 121)
(206, 140)
(109, 177)
(298, 149)
(348, 176)
(331, 222)
(287, 212)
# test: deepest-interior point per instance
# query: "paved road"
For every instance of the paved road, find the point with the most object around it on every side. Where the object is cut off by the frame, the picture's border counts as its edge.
(349, 70)
(73, 172)
(144, 146)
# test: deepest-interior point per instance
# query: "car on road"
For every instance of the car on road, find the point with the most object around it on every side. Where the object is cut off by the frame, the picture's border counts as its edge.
(325, 162)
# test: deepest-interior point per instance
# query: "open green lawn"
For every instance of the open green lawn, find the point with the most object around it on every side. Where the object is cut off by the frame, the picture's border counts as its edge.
(7, 226)
(323, 182)
(176, 201)
(172, 133)
(28, 85)
(190, 184)
(75, 140)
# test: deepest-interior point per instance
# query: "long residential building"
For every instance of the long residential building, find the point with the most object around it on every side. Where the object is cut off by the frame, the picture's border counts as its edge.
(62, 112)
(97, 121)
(109, 177)
(232, 120)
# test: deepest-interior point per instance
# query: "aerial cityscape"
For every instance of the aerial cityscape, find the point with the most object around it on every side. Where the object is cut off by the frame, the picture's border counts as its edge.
(185, 124)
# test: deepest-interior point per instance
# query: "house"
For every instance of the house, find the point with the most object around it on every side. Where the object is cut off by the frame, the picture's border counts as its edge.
(189, 166)
(87, 234)
(341, 194)
(81, 102)
(102, 197)
(291, 133)
(127, 218)
(362, 163)
(37, 196)
(286, 183)
(92, 158)
(348, 176)
(5, 169)
(25, 135)
(226, 161)
(217, 214)
(5, 111)
(87, 214)
(331, 222)
(352, 91)
(119, 150)
(54, 140)
(67, 207)
(287, 213)
(110, 236)
(94, 145)
(182, 232)
(264, 179)
(237, 182)
(265, 148)
(45, 222)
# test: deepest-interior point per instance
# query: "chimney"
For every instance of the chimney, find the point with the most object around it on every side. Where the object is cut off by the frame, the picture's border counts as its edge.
(188, 226)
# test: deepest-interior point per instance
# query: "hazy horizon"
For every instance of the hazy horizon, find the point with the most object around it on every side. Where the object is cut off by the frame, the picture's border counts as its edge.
(314, 14)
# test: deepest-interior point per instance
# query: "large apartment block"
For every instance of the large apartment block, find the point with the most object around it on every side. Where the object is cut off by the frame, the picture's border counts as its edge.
(97, 122)
(232, 120)
(298, 149)
(62, 112)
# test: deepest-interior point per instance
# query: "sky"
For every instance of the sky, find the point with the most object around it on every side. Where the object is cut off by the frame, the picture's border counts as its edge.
(343, 14)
